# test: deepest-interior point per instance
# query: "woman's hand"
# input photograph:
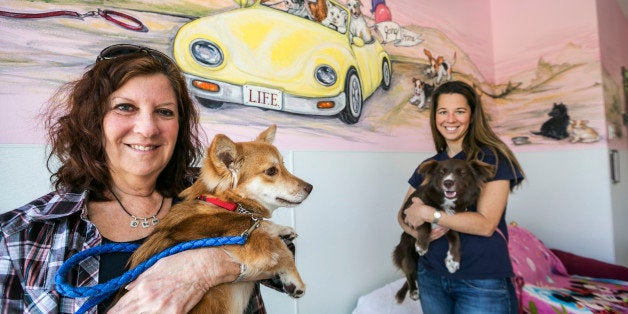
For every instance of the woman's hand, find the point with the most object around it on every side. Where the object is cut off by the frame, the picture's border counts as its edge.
(437, 233)
(414, 218)
(175, 284)
(418, 213)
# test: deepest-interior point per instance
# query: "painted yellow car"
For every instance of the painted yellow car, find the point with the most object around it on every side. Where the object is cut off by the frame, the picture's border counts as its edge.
(268, 58)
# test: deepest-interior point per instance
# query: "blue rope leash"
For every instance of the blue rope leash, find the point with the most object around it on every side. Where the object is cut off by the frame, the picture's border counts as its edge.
(100, 292)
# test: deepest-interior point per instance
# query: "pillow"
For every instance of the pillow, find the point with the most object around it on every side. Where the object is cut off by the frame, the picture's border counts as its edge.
(531, 259)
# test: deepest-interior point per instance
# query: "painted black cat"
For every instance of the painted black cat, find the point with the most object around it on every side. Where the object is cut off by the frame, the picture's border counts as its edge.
(556, 126)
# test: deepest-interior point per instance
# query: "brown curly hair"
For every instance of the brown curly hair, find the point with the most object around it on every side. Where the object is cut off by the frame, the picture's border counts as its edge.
(74, 120)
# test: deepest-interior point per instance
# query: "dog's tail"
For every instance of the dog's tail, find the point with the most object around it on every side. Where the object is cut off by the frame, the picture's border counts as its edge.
(453, 62)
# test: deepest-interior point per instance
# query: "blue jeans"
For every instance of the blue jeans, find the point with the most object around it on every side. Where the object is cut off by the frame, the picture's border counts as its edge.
(441, 295)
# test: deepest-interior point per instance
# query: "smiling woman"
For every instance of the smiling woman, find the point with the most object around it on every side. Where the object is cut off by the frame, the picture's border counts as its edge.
(126, 137)
(482, 283)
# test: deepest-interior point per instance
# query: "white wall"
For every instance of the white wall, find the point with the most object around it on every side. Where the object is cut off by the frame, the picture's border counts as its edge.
(566, 201)
(348, 226)
(619, 200)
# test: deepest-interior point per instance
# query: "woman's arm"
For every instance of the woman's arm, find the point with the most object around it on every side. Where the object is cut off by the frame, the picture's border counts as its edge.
(11, 291)
(434, 234)
(175, 284)
(490, 207)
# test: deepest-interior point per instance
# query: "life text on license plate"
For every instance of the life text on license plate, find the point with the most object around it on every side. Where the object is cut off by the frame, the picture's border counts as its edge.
(262, 97)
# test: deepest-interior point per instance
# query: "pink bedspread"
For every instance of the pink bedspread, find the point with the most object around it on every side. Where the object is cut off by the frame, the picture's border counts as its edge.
(544, 286)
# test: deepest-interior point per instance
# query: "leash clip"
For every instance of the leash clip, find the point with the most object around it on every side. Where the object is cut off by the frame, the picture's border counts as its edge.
(89, 14)
(256, 222)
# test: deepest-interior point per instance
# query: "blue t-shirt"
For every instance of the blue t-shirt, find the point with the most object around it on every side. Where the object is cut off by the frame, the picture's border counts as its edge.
(481, 257)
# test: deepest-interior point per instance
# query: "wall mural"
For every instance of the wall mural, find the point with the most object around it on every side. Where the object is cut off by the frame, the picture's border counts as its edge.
(333, 74)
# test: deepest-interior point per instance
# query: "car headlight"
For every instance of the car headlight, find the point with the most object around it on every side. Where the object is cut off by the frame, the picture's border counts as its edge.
(326, 75)
(206, 53)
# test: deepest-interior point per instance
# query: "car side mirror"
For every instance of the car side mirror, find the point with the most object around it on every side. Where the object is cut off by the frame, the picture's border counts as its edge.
(358, 41)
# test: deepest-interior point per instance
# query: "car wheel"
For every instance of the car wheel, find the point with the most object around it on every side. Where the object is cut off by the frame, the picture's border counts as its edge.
(353, 93)
(208, 103)
(386, 75)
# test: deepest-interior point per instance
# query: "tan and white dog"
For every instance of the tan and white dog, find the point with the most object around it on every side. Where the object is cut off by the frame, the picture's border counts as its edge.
(358, 26)
(422, 93)
(579, 131)
(439, 67)
(251, 178)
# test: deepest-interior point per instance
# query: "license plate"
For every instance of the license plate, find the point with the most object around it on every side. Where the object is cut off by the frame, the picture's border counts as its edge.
(262, 97)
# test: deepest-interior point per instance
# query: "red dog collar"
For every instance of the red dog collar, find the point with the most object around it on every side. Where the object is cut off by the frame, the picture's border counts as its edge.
(230, 206)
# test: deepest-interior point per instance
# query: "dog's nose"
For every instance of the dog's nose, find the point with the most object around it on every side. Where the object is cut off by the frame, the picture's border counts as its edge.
(308, 188)
(448, 183)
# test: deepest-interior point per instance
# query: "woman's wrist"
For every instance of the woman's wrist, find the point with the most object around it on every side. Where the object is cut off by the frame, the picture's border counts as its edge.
(436, 216)
(427, 213)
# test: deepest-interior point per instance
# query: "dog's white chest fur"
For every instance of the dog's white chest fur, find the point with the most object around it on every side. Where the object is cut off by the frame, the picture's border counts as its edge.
(359, 28)
(448, 206)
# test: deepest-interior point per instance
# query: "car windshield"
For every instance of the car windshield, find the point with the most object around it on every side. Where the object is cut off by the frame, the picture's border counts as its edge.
(336, 17)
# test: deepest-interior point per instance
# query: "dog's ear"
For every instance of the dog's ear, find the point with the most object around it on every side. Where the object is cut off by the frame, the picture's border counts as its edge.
(481, 170)
(221, 164)
(428, 54)
(426, 169)
(222, 151)
(268, 135)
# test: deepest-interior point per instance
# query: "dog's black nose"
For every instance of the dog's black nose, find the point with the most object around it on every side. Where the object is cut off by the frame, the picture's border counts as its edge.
(308, 188)
(448, 183)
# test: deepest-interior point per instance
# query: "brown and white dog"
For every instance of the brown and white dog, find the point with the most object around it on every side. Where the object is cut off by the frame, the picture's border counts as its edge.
(250, 176)
(451, 185)
(439, 67)
(422, 93)
(358, 26)
(579, 131)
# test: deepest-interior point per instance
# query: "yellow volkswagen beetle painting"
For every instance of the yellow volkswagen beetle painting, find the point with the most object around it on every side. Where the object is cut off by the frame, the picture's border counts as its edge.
(265, 57)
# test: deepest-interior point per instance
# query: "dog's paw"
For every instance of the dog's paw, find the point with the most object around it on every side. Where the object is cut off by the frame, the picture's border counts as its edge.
(414, 294)
(288, 233)
(422, 251)
(293, 290)
(292, 284)
(452, 265)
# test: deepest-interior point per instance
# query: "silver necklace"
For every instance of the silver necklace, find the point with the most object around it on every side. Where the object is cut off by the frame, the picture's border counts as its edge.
(145, 221)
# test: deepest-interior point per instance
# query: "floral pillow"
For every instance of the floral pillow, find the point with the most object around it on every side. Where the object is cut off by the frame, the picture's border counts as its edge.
(531, 259)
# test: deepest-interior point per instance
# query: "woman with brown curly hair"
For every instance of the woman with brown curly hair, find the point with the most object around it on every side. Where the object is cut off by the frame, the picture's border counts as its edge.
(125, 136)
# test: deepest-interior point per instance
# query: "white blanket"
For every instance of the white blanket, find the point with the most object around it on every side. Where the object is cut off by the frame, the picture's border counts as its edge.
(382, 301)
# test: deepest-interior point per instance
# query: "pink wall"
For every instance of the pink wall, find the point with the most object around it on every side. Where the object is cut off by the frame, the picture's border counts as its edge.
(467, 23)
(613, 27)
(525, 30)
